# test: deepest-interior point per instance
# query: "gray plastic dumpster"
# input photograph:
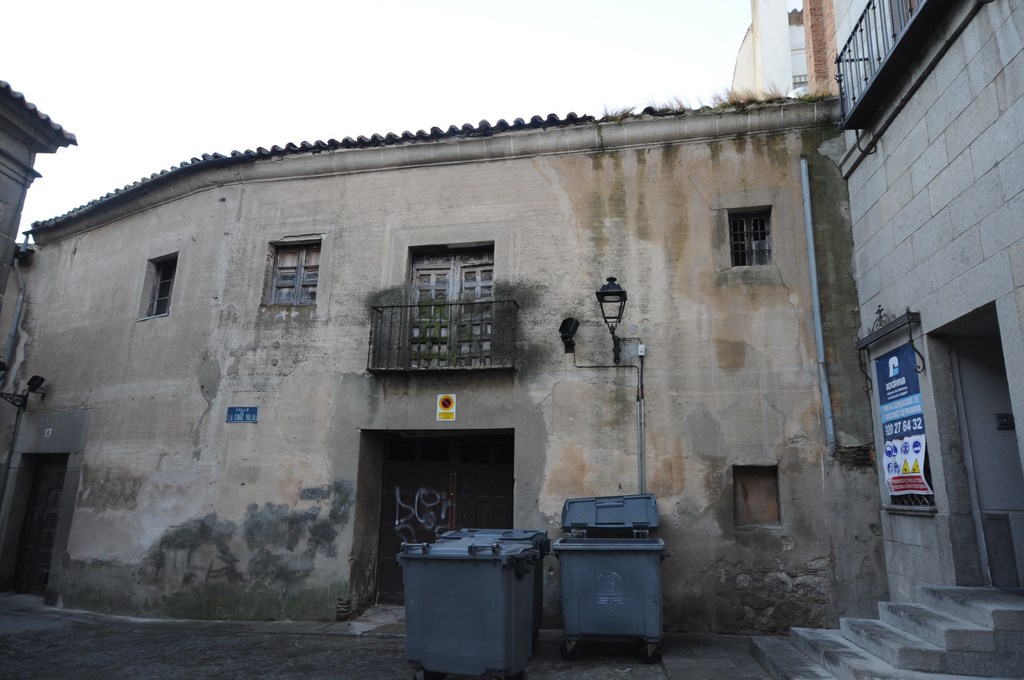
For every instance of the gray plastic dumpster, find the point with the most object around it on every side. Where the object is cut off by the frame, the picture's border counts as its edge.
(539, 539)
(468, 607)
(611, 572)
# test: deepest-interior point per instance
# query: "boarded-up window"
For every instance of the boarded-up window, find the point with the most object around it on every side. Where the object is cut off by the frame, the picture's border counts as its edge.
(296, 274)
(451, 323)
(755, 495)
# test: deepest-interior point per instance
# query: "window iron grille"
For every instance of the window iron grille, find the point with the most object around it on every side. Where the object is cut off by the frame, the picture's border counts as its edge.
(913, 500)
(443, 336)
(750, 239)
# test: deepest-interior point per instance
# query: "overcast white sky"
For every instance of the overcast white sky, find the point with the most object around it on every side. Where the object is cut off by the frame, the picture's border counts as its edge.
(145, 86)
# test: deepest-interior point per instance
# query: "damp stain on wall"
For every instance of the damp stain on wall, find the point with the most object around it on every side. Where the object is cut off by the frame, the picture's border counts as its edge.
(271, 554)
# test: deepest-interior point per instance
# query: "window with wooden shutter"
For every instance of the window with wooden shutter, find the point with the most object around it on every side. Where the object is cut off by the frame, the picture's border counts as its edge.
(451, 320)
(296, 274)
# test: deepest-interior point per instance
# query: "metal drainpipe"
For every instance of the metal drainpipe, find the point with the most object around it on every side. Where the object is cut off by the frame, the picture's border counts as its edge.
(826, 399)
(640, 446)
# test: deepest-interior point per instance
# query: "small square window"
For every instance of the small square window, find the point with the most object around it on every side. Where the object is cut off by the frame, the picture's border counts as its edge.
(750, 238)
(159, 286)
(296, 274)
(755, 492)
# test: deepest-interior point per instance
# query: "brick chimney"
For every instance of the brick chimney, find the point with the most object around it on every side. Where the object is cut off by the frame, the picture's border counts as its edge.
(820, 39)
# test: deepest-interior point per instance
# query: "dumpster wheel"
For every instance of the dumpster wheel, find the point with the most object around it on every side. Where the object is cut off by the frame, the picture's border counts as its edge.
(649, 652)
(568, 650)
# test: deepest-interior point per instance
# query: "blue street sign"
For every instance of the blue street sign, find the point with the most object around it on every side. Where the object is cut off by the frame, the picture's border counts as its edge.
(242, 414)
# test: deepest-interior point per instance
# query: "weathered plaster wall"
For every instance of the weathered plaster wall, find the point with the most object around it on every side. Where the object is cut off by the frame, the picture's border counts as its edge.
(181, 513)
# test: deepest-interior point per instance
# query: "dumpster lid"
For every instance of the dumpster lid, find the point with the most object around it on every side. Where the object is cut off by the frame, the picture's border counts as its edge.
(584, 545)
(638, 511)
(472, 548)
(538, 537)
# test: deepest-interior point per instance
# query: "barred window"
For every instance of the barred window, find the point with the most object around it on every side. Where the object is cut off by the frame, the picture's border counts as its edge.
(750, 238)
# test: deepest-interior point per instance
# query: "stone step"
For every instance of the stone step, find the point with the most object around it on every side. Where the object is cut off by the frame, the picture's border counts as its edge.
(893, 645)
(999, 610)
(1000, 664)
(783, 661)
(847, 661)
(937, 628)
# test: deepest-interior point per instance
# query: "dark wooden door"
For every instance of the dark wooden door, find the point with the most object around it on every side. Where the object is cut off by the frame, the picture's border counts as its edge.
(35, 545)
(432, 485)
(484, 472)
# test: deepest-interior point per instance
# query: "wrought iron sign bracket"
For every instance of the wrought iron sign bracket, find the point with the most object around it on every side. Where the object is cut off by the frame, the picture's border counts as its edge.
(883, 327)
(18, 400)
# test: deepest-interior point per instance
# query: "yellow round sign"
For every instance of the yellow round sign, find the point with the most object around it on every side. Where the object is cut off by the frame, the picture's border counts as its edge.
(446, 402)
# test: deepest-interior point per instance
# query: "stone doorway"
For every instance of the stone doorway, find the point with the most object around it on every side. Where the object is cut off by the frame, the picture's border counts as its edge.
(39, 528)
(991, 452)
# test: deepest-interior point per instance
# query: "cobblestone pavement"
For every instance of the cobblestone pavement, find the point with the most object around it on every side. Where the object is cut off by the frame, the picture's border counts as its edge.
(45, 642)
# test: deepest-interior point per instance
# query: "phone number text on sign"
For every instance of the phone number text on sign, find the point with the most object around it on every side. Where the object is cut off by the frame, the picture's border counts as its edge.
(905, 425)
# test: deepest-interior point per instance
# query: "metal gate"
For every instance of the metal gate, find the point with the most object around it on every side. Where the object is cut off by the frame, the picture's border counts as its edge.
(35, 544)
(435, 484)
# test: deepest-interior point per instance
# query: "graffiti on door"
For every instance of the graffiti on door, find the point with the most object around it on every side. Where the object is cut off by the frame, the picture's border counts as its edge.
(429, 510)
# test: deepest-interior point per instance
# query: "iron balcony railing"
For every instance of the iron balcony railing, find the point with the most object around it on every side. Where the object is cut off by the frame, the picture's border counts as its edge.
(434, 336)
(876, 35)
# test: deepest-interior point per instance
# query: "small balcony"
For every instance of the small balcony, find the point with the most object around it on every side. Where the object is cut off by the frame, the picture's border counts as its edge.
(434, 336)
(879, 53)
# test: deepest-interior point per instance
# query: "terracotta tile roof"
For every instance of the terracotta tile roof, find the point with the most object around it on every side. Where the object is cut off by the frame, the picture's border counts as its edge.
(56, 135)
(482, 129)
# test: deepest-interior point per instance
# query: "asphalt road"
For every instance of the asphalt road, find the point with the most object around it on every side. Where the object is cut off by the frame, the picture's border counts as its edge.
(45, 642)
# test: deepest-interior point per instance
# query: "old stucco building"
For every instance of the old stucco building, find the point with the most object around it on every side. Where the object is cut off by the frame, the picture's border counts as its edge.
(245, 356)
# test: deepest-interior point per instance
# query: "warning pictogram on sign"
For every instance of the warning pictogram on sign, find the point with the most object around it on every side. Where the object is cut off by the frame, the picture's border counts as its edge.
(446, 407)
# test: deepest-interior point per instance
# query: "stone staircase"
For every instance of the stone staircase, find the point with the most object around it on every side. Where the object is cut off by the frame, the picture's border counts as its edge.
(949, 633)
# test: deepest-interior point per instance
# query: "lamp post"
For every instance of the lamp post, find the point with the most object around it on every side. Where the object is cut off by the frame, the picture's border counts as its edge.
(612, 299)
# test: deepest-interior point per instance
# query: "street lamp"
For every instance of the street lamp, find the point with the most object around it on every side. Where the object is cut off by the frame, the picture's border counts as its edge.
(612, 299)
(20, 400)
